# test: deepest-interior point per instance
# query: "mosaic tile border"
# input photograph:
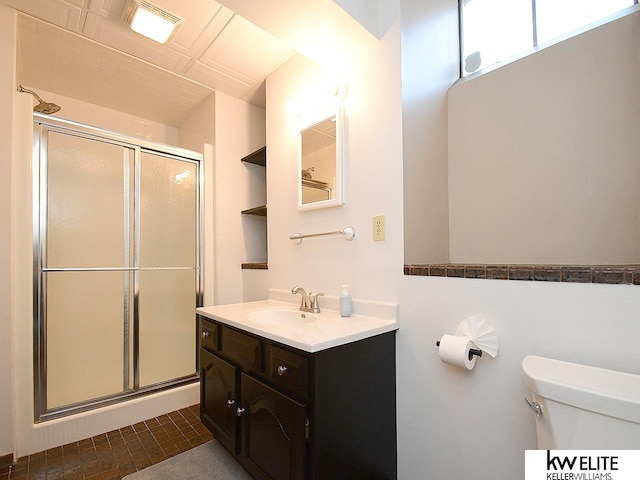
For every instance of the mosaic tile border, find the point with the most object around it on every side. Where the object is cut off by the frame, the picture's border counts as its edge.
(618, 274)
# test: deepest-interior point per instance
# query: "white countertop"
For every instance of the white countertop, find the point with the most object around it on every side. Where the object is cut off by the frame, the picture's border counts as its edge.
(327, 331)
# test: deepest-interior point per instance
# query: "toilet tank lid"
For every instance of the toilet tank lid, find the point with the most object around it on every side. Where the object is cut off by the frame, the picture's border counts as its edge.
(608, 392)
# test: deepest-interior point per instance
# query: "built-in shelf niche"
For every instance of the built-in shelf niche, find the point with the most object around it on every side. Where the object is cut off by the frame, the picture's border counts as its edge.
(259, 158)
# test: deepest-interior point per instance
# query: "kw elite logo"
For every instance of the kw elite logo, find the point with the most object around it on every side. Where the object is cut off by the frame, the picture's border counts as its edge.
(582, 464)
(584, 467)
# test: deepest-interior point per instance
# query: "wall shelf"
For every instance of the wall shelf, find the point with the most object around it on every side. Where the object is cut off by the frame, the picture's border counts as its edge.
(259, 157)
(255, 226)
(260, 211)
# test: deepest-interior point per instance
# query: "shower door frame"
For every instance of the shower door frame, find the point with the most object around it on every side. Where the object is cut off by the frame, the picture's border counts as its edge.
(42, 124)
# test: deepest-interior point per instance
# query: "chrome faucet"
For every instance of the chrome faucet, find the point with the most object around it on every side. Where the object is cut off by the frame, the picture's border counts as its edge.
(305, 303)
(309, 301)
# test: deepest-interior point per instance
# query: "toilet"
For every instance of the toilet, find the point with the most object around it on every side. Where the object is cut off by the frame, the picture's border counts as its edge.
(582, 407)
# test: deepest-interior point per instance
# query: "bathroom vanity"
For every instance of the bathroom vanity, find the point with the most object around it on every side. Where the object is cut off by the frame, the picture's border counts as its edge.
(290, 407)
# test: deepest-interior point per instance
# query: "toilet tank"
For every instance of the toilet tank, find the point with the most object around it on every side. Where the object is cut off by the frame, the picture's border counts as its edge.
(585, 408)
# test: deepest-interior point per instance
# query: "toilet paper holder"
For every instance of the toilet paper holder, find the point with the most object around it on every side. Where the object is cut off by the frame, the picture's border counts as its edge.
(472, 351)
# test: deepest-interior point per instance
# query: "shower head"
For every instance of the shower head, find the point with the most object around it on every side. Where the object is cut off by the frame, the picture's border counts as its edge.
(42, 107)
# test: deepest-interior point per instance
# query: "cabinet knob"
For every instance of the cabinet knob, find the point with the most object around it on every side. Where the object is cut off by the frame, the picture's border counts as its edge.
(205, 334)
(230, 403)
(240, 411)
(281, 370)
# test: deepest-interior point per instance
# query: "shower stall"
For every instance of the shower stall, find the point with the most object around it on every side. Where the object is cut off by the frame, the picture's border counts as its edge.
(117, 266)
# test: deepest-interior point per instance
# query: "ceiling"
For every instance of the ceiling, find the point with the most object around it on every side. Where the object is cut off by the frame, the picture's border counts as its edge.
(81, 49)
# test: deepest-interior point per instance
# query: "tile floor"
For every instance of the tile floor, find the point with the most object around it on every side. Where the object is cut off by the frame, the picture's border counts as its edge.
(115, 454)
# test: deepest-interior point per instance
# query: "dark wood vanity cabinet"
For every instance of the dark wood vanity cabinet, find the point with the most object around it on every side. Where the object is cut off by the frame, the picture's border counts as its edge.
(218, 393)
(287, 414)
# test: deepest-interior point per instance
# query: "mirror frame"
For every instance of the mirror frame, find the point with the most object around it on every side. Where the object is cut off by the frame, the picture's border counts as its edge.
(339, 187)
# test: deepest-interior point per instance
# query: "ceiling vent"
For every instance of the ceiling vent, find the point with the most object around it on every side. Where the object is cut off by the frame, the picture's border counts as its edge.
(150, 20)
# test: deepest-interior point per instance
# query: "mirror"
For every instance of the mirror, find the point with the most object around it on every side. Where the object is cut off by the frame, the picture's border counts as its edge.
(320, 164)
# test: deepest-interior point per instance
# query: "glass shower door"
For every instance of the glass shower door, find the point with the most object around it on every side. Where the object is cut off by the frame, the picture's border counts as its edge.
(117, 270)
(85, 268)
(167, 276)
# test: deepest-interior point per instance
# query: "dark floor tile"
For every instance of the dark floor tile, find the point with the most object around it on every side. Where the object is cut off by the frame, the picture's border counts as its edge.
(117, 453)
(153, 422)
(127, 469)
(73, 473)
(113, 474)
(38, 475)
(157, 456)
(163, 419)
(88, 455)
(91, 467)
(100, 440)
(170, 450)
(38, 457)
(130, 437)
(70, 448)
(54, 472)
(86, 444)
(54, 452)
(140, 427)
(184, 446)
(71, 460)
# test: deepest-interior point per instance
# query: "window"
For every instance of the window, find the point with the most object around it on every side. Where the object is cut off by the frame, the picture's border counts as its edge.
(494, 30)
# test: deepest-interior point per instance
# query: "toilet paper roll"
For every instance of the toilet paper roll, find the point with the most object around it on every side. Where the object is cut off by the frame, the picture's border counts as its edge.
(454, 350)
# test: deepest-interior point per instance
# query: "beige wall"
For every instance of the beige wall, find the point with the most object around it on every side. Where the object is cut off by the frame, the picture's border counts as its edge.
(430, 66)
(543, 155)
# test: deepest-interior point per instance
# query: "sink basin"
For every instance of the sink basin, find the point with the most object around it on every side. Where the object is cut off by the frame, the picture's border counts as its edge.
(281, 317)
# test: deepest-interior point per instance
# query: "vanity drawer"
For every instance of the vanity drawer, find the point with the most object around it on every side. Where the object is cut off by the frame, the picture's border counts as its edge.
(209, 336)
(242, 349)
(287, 370)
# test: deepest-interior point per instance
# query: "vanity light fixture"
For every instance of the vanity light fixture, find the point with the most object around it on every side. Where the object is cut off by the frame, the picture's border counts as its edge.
(150, 20)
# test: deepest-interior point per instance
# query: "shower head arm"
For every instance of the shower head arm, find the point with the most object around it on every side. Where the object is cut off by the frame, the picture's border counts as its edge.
(25, 90)
(42, 107)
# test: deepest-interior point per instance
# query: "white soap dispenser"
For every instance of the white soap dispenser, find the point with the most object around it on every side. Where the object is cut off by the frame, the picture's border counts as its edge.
(345, 302)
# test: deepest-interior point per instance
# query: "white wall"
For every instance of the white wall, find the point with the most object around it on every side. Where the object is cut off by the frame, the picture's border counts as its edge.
(459, 424)
(373, 177)
(235, 129)
(240, 130)
(197, 133)
(7, 94)
(543, 155)
(108, 119)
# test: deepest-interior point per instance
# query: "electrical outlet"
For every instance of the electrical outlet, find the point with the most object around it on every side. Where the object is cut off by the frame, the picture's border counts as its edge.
(378, 228)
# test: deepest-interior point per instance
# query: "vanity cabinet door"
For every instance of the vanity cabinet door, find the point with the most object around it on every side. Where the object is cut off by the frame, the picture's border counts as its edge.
(218, 399)
(274, 430)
